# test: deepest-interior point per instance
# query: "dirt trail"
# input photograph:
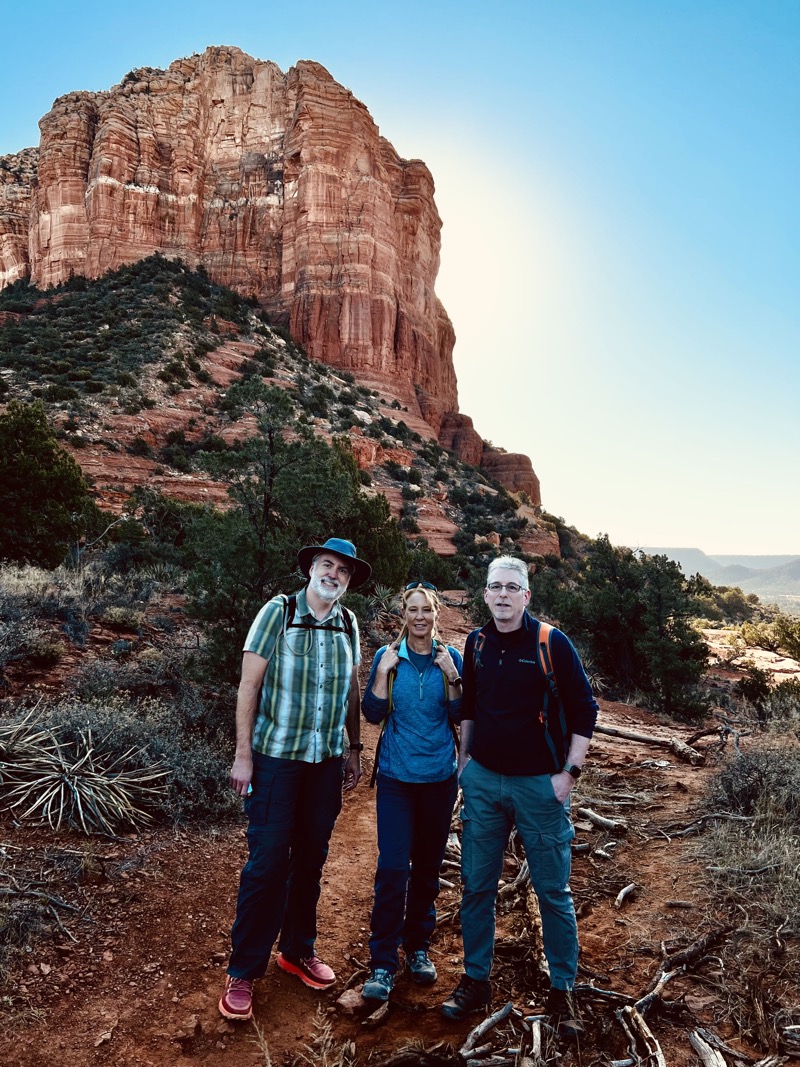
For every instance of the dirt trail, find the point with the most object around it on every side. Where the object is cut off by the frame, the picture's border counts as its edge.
(138, 985)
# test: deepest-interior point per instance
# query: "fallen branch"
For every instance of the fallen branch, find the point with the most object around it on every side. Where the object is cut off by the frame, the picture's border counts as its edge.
(52, 901)
(699, 948)
(716, 1042)
(610, 994)
(521, 878)
(623, 893)
(474, 1036)
(677, 747)
(699, 824)
(613, 826)
(641, 1037)
(645, 1003)
(709, 1057)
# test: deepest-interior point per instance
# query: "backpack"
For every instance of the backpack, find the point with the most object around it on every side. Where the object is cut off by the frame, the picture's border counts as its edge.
(290, 609)
(551, 694)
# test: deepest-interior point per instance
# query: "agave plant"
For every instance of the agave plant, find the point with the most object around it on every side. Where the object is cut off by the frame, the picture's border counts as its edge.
(79, 785)
(379, 604)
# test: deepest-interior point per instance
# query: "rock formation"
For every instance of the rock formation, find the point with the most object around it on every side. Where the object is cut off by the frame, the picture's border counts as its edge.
(281, 186)
(17, 177)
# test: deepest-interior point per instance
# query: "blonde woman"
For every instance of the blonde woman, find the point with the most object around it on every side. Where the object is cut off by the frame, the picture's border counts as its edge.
(414, 688)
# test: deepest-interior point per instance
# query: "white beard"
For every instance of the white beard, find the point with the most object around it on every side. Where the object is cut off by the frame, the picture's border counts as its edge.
(325, 592)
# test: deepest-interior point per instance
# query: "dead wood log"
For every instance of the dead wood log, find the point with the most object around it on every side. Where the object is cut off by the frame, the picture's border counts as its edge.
(623, 893)
(613, 826)
(711, 1038)
(699, 948)
(481, 1051)
(699, 824)
(492, 1061)
(709, 1057)
(536, 1044)
(521, 877)
(535, 931)
(592, 990)
(678, 748)
(643, 1044)
(643, 1004)
(474, 1036)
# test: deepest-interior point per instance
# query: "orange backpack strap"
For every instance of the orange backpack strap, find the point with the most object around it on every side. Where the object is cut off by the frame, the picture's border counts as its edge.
(552, 697)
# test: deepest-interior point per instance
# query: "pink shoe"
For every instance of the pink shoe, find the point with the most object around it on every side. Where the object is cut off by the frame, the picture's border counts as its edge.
(312, 971)
(236, 1002)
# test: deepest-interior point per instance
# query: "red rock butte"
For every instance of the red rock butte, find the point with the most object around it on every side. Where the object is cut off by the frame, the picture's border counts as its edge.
(282, 187)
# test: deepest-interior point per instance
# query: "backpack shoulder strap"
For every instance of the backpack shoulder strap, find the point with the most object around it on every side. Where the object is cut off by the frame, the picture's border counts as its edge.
(544, 656)
(477, 648)
(551, 695)
(384, 724)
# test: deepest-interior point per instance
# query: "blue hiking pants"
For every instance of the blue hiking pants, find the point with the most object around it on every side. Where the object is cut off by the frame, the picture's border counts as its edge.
(413, 825)
(291, 814)
(493, 803)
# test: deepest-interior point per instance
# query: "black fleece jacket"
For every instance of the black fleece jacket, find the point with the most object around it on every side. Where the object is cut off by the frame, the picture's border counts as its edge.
(504, 690)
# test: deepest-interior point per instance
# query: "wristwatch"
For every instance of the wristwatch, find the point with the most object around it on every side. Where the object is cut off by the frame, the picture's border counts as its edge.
(572, 769)
(357, 746)
(456, 682)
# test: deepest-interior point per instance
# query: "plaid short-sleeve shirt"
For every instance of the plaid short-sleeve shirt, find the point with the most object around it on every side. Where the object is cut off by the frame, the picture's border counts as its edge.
(304, 695)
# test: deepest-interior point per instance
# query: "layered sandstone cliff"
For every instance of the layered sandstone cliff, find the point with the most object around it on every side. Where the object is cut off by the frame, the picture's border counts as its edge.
(280, 184)
(17, 178)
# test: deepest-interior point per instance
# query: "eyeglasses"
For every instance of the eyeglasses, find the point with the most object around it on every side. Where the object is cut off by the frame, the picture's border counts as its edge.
(425, 585)
(498, 587)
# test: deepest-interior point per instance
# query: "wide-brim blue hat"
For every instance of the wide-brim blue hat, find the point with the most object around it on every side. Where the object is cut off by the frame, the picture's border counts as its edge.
(345, 549)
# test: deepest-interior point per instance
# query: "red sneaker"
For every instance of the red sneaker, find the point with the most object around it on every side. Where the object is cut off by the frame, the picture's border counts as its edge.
(312, 971)
(236, 1002)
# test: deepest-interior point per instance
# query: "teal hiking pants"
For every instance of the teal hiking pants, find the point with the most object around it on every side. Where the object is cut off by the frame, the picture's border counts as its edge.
(493, 804)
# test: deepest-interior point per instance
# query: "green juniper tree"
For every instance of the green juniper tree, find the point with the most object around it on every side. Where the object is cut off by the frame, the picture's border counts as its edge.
(44, 499)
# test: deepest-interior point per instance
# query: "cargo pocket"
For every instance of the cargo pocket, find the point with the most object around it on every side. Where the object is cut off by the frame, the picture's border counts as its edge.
(256, 806)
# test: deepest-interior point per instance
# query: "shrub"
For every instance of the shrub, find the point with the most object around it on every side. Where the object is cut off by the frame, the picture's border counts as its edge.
(44, 499)
(151, 733)
(123, 618)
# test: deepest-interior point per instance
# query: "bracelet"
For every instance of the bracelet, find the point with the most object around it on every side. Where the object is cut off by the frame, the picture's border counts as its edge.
(357, 746)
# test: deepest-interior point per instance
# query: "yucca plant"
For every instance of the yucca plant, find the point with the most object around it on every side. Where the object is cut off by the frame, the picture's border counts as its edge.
(22, 740)
(81, 786)
(379, 604)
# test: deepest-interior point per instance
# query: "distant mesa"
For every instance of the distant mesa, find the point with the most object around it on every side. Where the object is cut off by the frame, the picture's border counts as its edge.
(772, 578)
(282, 187)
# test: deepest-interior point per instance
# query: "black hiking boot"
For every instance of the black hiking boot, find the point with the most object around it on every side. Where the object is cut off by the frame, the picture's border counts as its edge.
(470, 995)
(562, 1010)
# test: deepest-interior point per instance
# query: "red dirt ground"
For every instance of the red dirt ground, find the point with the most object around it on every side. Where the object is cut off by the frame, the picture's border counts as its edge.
(138, 986)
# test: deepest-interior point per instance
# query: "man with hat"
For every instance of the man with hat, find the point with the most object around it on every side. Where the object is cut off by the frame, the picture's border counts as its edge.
(298, 690)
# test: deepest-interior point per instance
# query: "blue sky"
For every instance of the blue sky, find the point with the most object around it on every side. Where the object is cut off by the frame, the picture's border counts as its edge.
(621, 242)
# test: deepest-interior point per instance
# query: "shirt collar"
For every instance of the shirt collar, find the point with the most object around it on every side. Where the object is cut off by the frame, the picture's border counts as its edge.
(403, 651)
(303, 609)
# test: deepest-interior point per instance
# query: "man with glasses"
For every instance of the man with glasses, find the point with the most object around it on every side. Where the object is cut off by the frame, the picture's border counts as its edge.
(520, 757)
(298, 690)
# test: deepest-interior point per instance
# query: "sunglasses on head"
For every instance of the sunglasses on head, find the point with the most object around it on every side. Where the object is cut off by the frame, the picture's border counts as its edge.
(425, 585)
